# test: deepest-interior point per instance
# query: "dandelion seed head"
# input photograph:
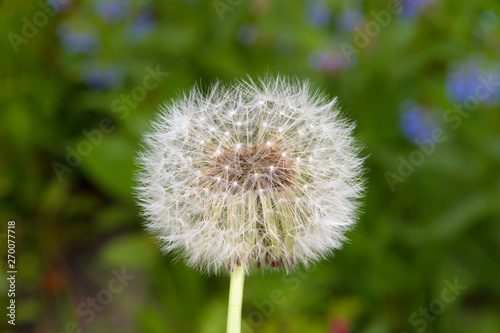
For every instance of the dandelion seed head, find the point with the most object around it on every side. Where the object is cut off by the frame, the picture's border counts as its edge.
(234, 190)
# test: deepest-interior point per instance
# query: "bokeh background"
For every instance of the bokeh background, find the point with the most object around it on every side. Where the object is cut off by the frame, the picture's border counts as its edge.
(430, 217)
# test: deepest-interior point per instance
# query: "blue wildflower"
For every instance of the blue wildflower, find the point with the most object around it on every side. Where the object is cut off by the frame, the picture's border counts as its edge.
(416, 122)
(99, 78)
(77, 41)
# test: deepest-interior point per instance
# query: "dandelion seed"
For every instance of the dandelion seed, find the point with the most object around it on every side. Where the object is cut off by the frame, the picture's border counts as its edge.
(243, 198)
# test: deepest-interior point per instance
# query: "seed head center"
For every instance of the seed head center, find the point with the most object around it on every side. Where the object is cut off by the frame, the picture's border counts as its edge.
(257, 168)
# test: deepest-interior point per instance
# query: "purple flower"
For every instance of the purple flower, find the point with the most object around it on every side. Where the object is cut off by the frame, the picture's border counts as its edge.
(112, 10)
(466, 80)
(416, 122)
(143, 24)
(76, 40)
(350, 19)
(59, 6)
(317, 14)
(462, 83)
(328, 62)
(413, 8)
(247, 34)
(99, 78)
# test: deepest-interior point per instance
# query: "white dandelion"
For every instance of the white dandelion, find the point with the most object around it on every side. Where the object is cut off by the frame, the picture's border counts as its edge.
(260, 174)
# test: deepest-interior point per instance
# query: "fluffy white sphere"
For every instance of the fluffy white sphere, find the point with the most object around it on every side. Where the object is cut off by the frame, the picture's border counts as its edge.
(265, 173)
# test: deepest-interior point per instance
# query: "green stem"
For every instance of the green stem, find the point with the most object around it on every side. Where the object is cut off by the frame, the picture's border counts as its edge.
(235, 299)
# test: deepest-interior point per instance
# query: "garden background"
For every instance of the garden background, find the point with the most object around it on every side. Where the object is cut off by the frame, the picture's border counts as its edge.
(80, 80)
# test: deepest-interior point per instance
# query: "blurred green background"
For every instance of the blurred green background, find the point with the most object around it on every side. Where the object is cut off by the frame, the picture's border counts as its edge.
(77, 93)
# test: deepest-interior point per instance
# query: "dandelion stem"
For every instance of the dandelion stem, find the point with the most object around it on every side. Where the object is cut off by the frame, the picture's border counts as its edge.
(235, 299)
